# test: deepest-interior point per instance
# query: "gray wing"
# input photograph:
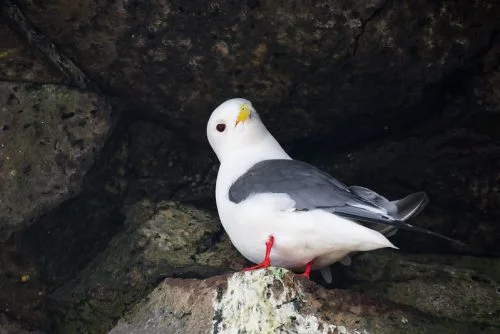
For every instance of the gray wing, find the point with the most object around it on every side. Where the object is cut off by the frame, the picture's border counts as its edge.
(307, 185)
(311, 188)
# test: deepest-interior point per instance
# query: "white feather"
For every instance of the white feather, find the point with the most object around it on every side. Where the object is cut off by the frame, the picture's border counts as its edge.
(300, 236)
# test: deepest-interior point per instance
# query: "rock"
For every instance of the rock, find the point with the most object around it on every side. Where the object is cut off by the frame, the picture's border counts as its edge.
(22, 293)
(486, 89)
(457, 168)
(222, 255)
(55, 248)
(167, 166)
(308, 62)
(328, 77)
(159, 240)
(49, 138)
(273, 301)
(62, 242)
(398, 96)
(19, 62)
(459, 288)
(8, 326)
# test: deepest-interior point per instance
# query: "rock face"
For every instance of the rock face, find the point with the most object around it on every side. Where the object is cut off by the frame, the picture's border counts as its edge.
(306, 61)
(19, 62)
(456, 168)
(458, 288)
(273, 301)
(159, 240)
(166, 167)
(9, 327)
(49, 138)
(398, 96)
(325, 77)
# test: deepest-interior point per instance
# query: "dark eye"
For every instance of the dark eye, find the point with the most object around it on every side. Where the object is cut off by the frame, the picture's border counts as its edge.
(221, 127)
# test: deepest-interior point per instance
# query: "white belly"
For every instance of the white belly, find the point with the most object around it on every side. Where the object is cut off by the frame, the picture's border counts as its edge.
(299, 237)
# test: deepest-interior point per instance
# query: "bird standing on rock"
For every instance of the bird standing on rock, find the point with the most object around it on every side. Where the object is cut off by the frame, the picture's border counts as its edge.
(288, 213)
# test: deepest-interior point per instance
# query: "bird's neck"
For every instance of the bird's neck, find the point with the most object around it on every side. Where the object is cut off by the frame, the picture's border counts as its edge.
(239, 162)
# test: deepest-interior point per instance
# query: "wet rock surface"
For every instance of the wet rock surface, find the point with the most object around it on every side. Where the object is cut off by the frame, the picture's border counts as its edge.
(396, 96)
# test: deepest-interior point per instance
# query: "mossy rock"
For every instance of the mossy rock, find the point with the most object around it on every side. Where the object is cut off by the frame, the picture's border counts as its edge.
(158, 240)
(50, 136)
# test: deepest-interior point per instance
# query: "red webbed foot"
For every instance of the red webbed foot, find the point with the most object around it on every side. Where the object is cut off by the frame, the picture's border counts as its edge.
(307, 272)
(267, 261)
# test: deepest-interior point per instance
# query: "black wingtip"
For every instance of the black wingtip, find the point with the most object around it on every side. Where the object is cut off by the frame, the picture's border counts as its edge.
(407, 227)
(421, 200)
(402, 226)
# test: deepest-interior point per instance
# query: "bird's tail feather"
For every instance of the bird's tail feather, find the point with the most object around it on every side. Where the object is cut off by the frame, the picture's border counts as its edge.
(410, 206)
(372, 197)
(397, 211)
(402, 209)
(406, 208)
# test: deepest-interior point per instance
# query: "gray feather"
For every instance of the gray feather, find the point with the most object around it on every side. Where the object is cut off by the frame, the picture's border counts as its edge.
(373, 197)
(307, 185)
(327, 275)
(312, 188)
(402, 209)
(411, 205)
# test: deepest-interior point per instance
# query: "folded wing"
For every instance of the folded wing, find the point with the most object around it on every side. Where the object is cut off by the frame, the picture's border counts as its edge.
(311, 188)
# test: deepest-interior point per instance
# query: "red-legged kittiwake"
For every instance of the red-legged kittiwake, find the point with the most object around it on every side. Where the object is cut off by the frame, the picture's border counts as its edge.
(288, 213)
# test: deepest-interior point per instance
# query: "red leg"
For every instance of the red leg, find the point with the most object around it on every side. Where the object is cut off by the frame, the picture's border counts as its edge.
(307, 272)
(267, 261)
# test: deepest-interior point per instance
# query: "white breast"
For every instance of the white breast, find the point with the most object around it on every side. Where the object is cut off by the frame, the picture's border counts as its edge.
(299, 236)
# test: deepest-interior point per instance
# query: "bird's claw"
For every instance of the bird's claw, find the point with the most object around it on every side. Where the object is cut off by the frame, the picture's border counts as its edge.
(264, 264)
(307, 271)
(267, 261)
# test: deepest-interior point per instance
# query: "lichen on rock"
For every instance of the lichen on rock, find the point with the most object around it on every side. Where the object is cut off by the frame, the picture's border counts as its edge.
(274, 300)
(265, 301)
(159, 240)
(399, 96)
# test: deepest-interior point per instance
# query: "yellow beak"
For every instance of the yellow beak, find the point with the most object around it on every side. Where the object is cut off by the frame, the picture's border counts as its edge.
(244, 114)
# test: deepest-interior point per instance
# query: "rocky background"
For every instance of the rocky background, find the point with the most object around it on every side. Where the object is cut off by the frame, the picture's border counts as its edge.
(106, 178)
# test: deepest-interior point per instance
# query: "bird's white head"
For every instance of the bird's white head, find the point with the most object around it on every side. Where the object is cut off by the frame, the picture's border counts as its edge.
(233, 126)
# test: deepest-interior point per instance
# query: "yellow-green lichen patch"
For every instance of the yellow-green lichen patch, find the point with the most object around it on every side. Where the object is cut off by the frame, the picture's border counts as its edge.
(266, 301)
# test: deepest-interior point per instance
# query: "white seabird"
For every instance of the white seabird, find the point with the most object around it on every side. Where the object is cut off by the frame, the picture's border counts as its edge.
(288, 213)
